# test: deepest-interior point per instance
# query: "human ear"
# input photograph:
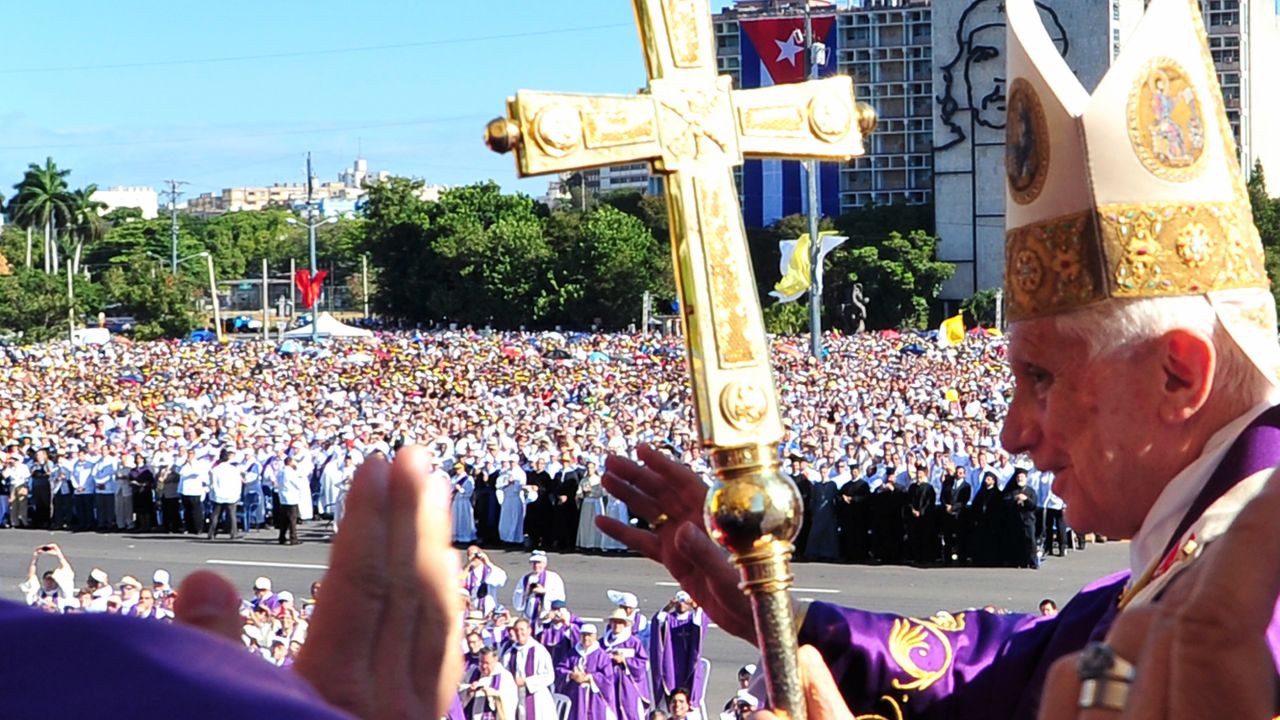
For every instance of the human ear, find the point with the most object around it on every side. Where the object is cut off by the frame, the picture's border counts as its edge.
(1188, 361)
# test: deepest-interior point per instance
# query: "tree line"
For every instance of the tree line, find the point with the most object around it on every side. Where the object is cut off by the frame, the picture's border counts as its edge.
(475, 256)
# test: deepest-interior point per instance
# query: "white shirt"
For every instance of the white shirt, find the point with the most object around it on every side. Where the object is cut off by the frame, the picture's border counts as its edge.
(225, 483)
(193, 478)
(294, 486)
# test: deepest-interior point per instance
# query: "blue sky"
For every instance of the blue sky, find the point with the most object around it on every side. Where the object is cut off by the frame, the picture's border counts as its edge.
(235, 93)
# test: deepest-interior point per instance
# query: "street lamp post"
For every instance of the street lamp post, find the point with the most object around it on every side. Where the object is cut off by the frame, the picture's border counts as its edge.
(312, 224)
(213, 290)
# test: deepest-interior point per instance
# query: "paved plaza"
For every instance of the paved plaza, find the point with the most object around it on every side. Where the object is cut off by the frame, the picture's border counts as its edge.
(892, 589)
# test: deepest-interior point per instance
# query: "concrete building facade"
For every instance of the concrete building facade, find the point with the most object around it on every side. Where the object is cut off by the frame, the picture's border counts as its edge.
(144, 198)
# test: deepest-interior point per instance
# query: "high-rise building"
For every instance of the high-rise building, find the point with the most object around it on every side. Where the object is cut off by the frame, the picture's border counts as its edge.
(885, 46)
(968, 135)
(1244, 39)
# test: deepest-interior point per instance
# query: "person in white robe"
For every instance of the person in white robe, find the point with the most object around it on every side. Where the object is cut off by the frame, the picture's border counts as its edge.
(489, 691)
(464, 519)
(591, 497)
(530, 663)
(512, 496)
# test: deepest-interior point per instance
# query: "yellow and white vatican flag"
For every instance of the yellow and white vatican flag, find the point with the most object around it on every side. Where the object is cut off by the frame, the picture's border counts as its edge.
(795, 268)
(951, 332)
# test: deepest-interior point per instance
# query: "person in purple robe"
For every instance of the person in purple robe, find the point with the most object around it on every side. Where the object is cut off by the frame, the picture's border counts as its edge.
(675, 650)
(587, 677)
(631, 669)
(1152, 401)
(558, 631)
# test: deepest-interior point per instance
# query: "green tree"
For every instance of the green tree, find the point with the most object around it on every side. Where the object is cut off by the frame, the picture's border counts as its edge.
(1266, 216)
(786, 318)
(121, 215)
(618, 260)
(158, 300)
(900, 275)
(34, 304)
(42, 200)
(396, 220)
(85, 224)
(980, 308)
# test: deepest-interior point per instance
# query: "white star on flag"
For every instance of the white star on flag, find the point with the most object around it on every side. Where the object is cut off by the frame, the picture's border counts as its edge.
(788, 49)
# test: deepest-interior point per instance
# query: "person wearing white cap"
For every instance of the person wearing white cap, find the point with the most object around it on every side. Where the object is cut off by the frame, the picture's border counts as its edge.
(530, 664)
(585, 676)
(675, 650)
(160, 583)
(100, 590)
(538, 589)
(632, 692)
(226, 483)
(630, 604)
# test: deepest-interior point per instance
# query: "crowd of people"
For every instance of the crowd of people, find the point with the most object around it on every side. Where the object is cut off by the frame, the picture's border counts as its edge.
(533, 651)
(892, 440)
(275, 623)
(535, 658)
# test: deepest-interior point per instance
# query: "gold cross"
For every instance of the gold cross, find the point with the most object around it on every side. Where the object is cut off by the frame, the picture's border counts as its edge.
(694, 129)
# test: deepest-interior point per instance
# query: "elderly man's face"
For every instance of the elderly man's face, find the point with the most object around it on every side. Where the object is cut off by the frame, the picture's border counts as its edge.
(1092, 423)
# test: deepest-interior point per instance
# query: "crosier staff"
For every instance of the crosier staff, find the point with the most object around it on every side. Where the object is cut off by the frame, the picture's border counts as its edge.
(694, 129)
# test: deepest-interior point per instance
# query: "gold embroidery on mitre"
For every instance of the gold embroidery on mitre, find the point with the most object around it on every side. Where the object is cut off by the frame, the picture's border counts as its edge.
(910, 640)
(1158, 249)
(1052, 266)
(1166, 121)
(1026, 148)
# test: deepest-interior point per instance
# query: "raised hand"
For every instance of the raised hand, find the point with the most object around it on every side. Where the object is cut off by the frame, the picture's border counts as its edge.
(661, 487)
(1201, 650)
(383, 639)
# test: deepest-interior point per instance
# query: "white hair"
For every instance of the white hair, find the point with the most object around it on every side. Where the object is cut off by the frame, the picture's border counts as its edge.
(1119, 325)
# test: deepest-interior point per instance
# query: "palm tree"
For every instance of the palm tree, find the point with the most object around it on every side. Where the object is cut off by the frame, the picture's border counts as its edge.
(42, 199)
(87, 225)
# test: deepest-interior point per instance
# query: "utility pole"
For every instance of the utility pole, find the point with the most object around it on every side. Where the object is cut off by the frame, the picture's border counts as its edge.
(1000, 309)
(266, 318)
(213, 295)
(293, 286)
(173, 224)
(815, 242)
(71, 306)
(364, 282)
(311, 244)
(644, 314)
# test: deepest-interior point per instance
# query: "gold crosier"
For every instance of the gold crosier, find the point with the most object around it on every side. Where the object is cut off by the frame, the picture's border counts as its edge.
(694, 129)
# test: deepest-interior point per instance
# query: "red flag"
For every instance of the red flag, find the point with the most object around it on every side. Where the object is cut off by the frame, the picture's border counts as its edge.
(309, 286)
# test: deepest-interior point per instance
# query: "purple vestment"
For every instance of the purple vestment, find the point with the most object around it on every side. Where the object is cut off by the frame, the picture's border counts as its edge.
(630, 679)
(675, 647)
(592, 701)
(977, 664)
(197, 674)
(559, 640)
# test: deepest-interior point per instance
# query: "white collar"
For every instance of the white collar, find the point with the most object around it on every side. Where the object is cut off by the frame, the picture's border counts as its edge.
(1162, 519)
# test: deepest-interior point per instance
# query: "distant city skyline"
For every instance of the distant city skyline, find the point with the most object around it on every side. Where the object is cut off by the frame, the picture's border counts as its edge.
(133, 94)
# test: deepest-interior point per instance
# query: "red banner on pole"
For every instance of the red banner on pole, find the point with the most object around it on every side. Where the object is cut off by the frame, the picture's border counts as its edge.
(309, 286)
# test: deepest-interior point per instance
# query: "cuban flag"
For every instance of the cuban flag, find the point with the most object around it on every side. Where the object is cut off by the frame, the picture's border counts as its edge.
(773, 53)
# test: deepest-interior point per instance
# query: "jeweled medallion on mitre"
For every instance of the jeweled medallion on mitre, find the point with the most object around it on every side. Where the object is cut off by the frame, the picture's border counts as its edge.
(1166, 124)
(1026, 149)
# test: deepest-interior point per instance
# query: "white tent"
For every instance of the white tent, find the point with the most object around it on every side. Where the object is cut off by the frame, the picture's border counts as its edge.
(328, 326)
